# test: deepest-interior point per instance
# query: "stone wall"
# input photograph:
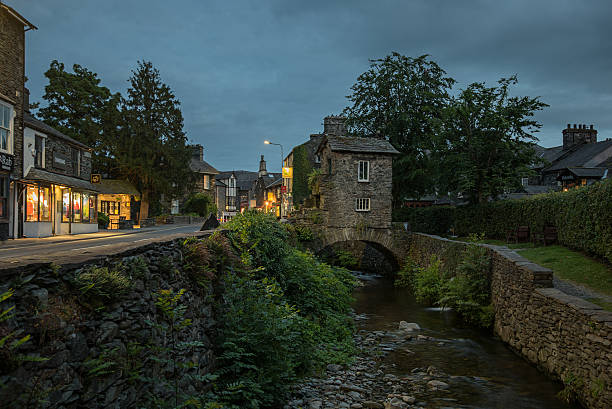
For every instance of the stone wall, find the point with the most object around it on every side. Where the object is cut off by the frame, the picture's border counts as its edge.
(80, 335)
(54, 144)
(565, 336)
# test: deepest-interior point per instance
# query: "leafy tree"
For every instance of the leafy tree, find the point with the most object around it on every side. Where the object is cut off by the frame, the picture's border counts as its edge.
(402, 98)
(199, 203)
(152, 150)
(488, 146)
(78, 106)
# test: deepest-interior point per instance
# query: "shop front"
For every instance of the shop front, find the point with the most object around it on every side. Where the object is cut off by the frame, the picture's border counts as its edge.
(120, 201)
(6, 165)
(50, 208)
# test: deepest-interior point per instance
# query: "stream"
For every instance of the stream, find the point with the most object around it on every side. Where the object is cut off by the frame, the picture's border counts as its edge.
(445, 364)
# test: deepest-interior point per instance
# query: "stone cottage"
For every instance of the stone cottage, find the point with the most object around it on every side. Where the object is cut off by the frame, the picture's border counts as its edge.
(356, 181)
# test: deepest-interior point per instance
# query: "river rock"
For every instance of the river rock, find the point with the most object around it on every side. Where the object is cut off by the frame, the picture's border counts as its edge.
(372, 405)
(437, 384)
(409, 326)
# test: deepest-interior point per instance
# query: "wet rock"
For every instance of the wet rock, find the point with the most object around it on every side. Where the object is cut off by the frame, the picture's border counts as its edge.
(409, 326)
(372, 405)
(334, 368)
(435, 384)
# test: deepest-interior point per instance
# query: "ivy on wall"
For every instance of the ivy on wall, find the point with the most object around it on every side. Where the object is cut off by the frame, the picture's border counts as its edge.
(301, 169)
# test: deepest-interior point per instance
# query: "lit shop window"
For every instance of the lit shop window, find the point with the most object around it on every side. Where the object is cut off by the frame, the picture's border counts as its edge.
(65, 205)
(32, 204)
(37, 204)
(76, 206)
(85, 207)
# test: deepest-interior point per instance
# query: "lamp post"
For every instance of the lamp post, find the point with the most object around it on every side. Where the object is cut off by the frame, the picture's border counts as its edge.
(267, 142)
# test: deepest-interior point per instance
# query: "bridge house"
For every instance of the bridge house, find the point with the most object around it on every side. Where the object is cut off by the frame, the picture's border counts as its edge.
(355, 187)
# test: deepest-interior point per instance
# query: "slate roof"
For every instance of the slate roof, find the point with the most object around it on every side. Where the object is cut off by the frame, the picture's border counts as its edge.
(585, 155)
(277, 182)
(358, 144)
(201, 166)
(117, 187)
(244, 178)
(588, 172)
(547, 154)
(40, 126)
(44, 176)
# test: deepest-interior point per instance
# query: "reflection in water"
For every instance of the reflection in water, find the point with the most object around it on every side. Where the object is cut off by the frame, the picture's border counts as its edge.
(486, 373)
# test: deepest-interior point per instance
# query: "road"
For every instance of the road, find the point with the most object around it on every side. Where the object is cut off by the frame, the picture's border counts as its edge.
(78, 248)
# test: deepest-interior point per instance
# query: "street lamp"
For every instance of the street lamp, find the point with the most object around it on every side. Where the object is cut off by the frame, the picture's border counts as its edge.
(267, 142)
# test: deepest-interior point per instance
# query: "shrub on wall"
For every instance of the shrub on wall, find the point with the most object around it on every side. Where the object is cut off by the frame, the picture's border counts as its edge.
(301, 169)
(583, 217)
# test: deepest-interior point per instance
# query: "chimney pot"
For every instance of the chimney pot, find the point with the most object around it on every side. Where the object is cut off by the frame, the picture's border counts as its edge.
(574, 126)
(568, 126)
(591, 126)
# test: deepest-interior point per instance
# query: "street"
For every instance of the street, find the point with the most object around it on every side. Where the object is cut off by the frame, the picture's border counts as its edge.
(77, 248)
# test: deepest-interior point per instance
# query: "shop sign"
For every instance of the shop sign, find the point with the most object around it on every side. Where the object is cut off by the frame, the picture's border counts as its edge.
(567, 177)
(95, 178)
(283, 189)
(287, 173)
(59, 161)
(6, 161)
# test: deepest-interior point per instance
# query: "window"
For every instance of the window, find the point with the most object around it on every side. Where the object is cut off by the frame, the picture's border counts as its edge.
(76, 162)
(39, 146)
(362, 204)
(4, 192)
(65, 205)
(109, 207)
(6, 114)
(93, 215)
(317, 158)
(364, 171)
(206, 181)
(85, 208)
(329, 166)
(31, 204)
(76, 207)
(44, 204)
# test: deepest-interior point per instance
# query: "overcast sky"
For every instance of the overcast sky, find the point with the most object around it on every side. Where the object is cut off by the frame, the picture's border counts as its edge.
(245, 71)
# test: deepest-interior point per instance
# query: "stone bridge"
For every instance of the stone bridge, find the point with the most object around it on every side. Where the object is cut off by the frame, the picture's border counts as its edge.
(392, 243)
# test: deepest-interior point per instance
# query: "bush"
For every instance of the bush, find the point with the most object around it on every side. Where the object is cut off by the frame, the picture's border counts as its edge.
(199, 203)
(346, 259)
(428, 282)
(405, 277)
(103, 220)
(583, 217)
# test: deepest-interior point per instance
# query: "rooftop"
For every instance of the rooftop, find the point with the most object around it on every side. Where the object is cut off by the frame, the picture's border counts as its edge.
(40, 126)
(359, 144)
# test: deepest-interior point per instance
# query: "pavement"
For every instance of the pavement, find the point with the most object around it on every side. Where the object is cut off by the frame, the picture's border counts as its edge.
(84, 247)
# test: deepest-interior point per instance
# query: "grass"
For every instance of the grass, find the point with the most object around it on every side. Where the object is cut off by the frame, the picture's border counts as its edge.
(574, 266)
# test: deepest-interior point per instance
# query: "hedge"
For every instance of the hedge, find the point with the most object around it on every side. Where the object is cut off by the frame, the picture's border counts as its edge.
(583, 218)
(301, 169)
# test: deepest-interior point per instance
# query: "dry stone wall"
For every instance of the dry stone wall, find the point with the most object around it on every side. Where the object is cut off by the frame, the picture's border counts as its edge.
(99, 353)
(565, 336)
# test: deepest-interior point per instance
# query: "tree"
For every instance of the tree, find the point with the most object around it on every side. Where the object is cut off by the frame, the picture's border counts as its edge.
(78, 106)
(489, 144)
(402, 99)
(152, 150)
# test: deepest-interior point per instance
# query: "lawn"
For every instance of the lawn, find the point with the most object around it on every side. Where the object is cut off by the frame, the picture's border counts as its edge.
(574, 266)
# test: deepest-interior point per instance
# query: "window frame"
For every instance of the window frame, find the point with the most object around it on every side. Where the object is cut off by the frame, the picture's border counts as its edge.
(366, 171)
(43, 144)
(4, 196)
(10, 129)
(360, 204)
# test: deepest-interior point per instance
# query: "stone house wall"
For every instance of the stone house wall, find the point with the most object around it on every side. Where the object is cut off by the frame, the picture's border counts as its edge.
(77, 338)
(561, 334)
(340, 189)
(12, 79)
(54, 144)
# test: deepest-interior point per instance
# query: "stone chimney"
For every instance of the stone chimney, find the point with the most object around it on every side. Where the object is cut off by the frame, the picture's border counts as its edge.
(334, 125)
(26, 99)
(197, 152)
(578, 135)
(262, 167)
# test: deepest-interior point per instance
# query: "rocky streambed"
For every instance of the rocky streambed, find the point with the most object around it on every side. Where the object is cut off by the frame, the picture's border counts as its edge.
(441, 365)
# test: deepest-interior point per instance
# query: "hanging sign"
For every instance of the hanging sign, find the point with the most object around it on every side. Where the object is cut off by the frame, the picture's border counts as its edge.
(6, 161)
(287, 173)
(96, 178)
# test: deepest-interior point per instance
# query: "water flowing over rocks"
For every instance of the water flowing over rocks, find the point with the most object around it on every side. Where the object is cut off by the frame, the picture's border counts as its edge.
(369, 382)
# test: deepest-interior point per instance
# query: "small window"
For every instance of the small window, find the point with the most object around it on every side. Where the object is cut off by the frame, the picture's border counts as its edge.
(362, 204)
(364, 171)
(317, 158)
(39, 147)
(206, 182)
(329, 166)
(76, 162)
(6, 114)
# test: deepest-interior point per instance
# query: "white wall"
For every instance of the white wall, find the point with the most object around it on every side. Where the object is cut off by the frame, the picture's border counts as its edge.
(37, 229)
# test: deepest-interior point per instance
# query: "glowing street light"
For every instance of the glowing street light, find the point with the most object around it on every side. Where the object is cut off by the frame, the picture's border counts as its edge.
(267, 142)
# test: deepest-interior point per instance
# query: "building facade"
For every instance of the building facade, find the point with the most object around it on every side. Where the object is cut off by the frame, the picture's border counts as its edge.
(55, 195)
(356, 181)
(13, 27)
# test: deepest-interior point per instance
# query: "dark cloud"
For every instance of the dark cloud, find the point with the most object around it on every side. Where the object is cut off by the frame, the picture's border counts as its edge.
(246, 70)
